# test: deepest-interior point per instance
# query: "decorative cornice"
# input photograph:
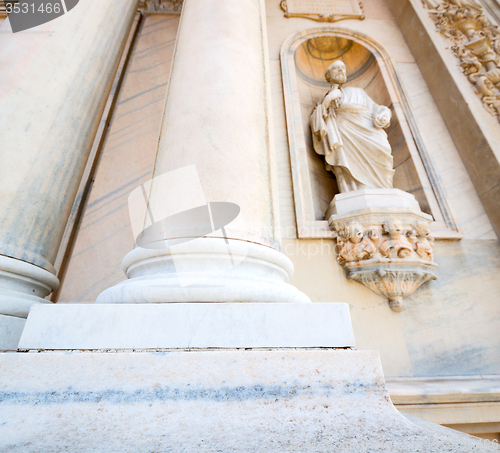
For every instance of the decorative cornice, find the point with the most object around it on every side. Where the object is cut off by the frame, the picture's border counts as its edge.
(322, 17)
(493, 8)
(475, 42)
(161, 6)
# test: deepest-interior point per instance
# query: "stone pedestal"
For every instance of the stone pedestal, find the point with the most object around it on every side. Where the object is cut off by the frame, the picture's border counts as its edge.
(54, 79)
(185, 326)
(207, 401)
(356, 200)
(383, 241)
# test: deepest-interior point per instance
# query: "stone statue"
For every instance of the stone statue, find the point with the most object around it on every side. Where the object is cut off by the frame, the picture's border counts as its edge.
(353, 245)
(422, 240)
(347, 128)
(395, 245)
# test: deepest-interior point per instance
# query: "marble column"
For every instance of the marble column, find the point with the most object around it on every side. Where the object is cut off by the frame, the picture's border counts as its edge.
(54, 81)
(215, 152)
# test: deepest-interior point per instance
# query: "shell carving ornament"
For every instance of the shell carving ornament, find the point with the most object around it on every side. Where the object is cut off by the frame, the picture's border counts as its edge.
(476, 44)
(392, 258)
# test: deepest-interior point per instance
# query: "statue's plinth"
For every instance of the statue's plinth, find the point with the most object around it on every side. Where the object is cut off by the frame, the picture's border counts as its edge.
(371, 199)
(383, 241)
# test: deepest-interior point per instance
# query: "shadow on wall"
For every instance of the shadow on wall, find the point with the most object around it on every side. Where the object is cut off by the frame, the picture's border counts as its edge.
(312, 58)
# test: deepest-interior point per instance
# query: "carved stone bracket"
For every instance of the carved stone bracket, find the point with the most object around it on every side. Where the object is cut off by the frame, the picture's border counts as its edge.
(162, 6)
(389, 250)
(475, 42)
(322, 17)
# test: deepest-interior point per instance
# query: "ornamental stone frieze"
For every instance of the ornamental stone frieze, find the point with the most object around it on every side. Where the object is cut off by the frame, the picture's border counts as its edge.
(162, 6)
(389, 250)
(475, 42)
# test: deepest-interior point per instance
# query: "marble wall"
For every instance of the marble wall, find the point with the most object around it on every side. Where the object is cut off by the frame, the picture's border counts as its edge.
(449, 327)
(104, 235)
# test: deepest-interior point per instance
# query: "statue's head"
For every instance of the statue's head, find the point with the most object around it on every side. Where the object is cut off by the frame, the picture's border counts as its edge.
(393, 228)
(354, 232)
(336, 73)
(422, 229)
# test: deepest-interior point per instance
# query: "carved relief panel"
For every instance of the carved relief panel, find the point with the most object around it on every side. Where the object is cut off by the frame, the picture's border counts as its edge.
(475, 42)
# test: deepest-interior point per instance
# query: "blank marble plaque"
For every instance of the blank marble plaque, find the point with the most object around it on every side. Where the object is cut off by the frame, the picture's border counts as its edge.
(323, 7)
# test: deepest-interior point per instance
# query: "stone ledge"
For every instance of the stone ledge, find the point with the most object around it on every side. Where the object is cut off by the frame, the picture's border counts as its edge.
(454, 413)
(231, 401)
(453, 389)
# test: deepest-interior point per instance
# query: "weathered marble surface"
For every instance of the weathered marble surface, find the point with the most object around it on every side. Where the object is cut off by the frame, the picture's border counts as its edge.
(468, 403)
(244, 401)
(11, 328)
(49, 119)
(217, 112)
(453, 389)
(191, 325)
(450, 326)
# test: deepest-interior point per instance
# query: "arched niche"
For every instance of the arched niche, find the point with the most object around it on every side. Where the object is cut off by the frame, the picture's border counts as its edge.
(304, 57)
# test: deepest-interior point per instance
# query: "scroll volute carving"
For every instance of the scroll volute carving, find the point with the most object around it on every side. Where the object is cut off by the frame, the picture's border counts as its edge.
(392, 257)
(475, 42)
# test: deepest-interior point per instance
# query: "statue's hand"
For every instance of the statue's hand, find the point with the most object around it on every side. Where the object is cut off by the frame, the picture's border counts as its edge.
(382, 119)
(333, 98)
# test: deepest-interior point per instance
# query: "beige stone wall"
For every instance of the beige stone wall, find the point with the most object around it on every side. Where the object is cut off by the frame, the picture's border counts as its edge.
(450, 325)
(445, 330)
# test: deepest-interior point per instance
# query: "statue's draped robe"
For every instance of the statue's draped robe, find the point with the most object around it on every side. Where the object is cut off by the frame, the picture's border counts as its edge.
(347, 137)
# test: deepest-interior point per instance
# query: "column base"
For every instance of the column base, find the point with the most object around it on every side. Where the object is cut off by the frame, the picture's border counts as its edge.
(11, 328)
(205, 401)
(205, 270)
(21, 285)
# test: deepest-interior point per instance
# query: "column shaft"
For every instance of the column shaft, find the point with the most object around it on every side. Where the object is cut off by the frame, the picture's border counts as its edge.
(54, 81)
(214, 147)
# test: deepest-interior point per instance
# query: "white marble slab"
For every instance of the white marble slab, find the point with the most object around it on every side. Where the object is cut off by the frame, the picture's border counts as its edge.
(187, 325)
